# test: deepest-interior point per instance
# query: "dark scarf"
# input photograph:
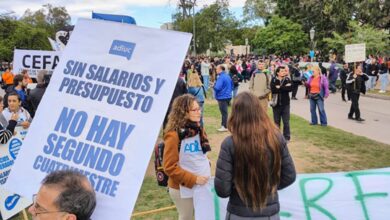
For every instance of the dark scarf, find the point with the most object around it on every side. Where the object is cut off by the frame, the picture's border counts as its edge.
(191, 129)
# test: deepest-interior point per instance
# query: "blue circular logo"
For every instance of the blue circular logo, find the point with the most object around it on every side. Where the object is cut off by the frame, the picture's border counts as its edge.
(11, 201)
(14, 147)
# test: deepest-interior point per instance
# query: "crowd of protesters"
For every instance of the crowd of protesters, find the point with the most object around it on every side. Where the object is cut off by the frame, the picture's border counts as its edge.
(241, 170)
(19, 103)
(272, 81)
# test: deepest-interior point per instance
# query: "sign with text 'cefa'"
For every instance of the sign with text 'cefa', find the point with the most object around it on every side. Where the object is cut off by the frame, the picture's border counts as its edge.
(11, 203)
(115, 81)
(34, 60)
(355, 53)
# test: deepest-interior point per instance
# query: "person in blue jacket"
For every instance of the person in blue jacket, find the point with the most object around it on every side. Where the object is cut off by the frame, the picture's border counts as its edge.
(223, 89)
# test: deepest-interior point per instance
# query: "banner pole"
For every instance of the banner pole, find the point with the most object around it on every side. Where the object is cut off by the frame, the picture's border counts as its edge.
(25, 217)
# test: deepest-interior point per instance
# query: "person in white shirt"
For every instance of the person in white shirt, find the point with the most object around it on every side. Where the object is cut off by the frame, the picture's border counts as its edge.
(15, 106)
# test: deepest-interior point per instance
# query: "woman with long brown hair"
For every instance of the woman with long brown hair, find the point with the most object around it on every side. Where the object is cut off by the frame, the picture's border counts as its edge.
(185, 160)
(254, 162)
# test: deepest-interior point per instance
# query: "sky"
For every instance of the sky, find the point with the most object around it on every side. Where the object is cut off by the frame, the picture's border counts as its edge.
(148, 13)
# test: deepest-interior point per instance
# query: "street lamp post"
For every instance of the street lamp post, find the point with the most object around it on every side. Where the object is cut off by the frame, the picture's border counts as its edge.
(246, 46)
(312, 32)
(193, 25)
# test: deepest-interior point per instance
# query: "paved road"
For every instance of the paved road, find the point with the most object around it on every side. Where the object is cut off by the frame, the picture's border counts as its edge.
(375, 111)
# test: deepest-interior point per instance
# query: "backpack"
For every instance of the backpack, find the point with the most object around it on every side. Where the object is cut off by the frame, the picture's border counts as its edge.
(235, 80)
(161, 176)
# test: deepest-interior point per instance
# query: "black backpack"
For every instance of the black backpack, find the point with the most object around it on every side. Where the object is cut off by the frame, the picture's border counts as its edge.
(161, 176)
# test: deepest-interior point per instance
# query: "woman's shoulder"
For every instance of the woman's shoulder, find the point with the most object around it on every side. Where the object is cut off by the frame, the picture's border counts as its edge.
(171, 134)
(228, 142)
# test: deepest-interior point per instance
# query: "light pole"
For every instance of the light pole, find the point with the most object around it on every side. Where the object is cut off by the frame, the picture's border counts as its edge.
(193, 25)
(312, 32)
(246, 46)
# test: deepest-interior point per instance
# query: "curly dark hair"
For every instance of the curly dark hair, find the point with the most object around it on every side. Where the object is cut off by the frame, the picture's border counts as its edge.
(178, 116)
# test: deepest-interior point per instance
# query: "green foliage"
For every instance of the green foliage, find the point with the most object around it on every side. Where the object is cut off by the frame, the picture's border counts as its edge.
(31, 31)
(48, 17)
(262, 9)
(377, 41)
(282, 36)
(213, 24)
(324, 16)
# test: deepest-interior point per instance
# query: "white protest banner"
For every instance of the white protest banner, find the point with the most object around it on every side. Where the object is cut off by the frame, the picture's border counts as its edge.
(207, 204)
(34, 60)
(102, 111)
(354, 195)
(9, 151)
(10, 203)
(355, 53)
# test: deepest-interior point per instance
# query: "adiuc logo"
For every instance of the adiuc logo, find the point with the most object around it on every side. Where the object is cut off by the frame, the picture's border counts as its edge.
(14, 147)
(192, 147)
(11, 201)
(122, 48)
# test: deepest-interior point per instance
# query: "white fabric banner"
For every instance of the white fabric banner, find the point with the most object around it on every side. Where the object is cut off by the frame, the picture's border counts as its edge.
(357, 195)
(34, 60)
(11, 203)
(102, 111)
(9, 151)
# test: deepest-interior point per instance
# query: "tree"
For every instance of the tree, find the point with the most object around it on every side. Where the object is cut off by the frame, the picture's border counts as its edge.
(17, 34)
(255, 9)
(377, 41)
(31, 31)
(281, 36)
(214, 24)
(50, 18)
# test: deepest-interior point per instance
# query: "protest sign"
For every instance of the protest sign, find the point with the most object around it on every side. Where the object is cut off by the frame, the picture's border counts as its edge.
(9, 151)
(102, 111)
(34, 60)
(324, 196)
(355, 53)
(10, 203)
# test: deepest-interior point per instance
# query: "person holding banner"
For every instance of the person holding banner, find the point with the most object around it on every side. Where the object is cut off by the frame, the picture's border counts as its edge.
(185, 160)
(254, 162)
(7, 128)
(356, 85)
(15, 107)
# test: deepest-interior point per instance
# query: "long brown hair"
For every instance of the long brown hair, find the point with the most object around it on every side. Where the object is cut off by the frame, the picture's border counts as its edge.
(177, 118)
(257, 159)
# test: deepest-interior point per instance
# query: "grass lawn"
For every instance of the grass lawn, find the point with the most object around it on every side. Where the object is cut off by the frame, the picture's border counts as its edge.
(313, 148)
(376, 92)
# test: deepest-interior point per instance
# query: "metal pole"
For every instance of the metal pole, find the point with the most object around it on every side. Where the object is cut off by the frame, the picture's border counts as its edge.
(193, 26)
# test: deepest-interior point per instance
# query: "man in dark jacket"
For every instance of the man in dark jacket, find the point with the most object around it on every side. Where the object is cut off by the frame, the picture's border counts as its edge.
(296, 78)
(35, 95)
(343, 76)
(372, 71)
(180, 89)
(280, 88)
(323, 69)
(356, 85)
